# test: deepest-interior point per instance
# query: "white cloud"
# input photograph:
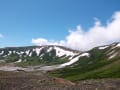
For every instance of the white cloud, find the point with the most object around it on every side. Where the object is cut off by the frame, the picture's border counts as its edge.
(43, 41)
(94, 36)
(40, 41)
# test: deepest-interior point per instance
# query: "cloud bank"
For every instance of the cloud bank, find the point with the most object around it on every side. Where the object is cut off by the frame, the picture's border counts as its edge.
(96, 35)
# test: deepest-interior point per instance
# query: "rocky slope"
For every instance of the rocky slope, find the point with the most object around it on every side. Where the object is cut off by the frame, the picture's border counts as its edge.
(41, 81)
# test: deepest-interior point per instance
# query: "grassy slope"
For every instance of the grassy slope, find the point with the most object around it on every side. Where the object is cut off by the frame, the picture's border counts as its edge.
(94, 67)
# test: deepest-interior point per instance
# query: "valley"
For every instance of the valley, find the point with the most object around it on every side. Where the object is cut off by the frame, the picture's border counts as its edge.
(60, 68)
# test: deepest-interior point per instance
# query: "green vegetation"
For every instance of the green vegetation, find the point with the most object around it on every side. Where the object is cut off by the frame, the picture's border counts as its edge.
(31, 58)
(48, 60)
(12, 58)
(97, 66)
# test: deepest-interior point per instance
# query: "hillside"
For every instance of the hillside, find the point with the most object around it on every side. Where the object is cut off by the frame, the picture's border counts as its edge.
(60, 68)
(36, 55)
(103, 62)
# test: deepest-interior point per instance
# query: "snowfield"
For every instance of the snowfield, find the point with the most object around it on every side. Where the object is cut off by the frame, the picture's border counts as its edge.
(60, 52)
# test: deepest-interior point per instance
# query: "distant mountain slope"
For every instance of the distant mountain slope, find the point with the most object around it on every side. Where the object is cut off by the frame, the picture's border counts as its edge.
(35, 55)
(99, 62)
(103, 62)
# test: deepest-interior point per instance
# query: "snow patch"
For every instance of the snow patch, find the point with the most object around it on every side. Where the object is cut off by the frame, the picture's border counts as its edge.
(2, 53)
(20, 60)
(33, 49)
(38, 51)
(103, 47)
(14, 52)
(5, 56)
(30, 54)
(21, 52)
(60, 52)
(112, 56)
(74, 60)
(49, 49)
(27, 52)
(118, 45)
(111, 52)
(85, 54)
(10, 52)
(18, 52)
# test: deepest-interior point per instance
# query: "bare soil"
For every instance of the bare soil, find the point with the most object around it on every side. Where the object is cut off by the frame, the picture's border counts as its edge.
(21, 80)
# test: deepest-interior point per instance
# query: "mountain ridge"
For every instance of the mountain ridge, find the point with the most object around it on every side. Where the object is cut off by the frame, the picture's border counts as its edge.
(37, 55)
(98, 68)
(54, 57)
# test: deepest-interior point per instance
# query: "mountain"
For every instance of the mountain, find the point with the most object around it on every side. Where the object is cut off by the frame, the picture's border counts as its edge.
(60, 68)
(103, 62)
(35, 55)
(99, 62)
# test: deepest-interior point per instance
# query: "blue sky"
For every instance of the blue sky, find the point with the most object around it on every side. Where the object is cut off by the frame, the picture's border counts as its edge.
(23, 20)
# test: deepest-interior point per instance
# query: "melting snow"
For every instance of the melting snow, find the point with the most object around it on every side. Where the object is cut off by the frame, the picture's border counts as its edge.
(33, 50)
(30, 54)
(38, 51)
(21, 52)
(103, 47)
(27, 52)
(112, 56)
(85, 54)
(9, 52)
(13, 68)
(17, 52)
(49, 49)
(20, 60)
(60, 52)
(13, 51)
(111, 52)
(5, 56)
(74, 60)
(1, 52)
(118, 45)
